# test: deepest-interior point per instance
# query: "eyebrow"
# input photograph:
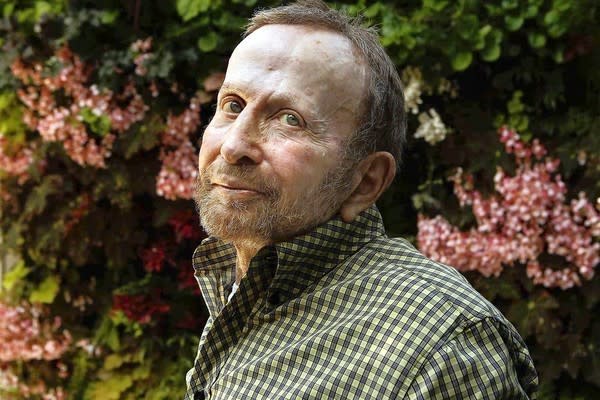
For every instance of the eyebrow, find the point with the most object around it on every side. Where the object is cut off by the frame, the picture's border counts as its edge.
(228, 86)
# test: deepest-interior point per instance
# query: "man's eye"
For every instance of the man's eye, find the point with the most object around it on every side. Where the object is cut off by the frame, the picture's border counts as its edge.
(233, 106)
(289, 119)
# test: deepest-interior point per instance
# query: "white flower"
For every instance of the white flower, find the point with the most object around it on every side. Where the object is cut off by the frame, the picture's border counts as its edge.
(413, 87)
(431, 128)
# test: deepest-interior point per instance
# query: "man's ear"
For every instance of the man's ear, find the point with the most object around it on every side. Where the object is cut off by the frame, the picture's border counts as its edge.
(371, 178)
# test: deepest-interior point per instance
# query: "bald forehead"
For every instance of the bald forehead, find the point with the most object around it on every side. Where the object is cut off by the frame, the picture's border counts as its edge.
(288, 40)
(297, 47)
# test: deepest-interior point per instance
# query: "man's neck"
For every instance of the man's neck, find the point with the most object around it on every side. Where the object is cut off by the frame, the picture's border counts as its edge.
(245, 251)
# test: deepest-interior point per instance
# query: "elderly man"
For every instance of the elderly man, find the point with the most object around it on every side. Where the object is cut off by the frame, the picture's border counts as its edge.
(308, 298)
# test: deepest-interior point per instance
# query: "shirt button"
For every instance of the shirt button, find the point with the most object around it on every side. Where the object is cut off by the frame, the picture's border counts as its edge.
(199, 395)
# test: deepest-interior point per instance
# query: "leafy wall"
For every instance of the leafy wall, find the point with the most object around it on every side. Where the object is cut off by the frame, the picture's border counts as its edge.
(102, 105)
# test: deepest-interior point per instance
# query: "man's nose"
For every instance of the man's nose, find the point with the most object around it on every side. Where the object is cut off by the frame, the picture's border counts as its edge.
(242, 141)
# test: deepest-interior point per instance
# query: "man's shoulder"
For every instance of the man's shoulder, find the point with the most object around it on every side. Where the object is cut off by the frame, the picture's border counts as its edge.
(398, 273)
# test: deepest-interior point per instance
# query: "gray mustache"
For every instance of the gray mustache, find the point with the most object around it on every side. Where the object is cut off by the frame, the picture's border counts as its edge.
(246, 173)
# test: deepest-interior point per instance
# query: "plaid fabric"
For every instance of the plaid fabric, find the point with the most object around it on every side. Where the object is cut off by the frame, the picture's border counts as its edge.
(346, 313)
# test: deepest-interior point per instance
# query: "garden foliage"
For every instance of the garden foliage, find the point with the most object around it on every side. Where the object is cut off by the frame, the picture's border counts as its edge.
(102, 106)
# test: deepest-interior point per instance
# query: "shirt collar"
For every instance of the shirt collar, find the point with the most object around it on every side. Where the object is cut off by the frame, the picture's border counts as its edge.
(292, 266)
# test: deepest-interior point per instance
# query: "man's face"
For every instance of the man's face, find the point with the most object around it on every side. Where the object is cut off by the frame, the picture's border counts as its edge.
(271, 161)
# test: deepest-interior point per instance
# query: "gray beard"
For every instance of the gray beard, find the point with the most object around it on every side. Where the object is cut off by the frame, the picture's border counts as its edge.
(268, 218)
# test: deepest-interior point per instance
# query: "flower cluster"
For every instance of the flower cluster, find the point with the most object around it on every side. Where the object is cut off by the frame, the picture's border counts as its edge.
(178, 155)
(154, 257)
(527, 217)
(70, 123)
(24, 335)
(140, 307)
(413, 88)
(12, 388)
(16, 164)
(141, 49)
(163, 254)
(431, 127)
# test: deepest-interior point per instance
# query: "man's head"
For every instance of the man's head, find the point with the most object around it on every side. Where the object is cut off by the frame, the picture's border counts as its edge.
(296, 138)
(382, 125)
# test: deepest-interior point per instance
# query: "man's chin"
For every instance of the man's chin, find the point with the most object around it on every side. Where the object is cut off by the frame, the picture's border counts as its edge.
(233, 227)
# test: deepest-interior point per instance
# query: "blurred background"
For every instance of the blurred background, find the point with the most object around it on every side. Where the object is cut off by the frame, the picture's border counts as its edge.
(102, 108)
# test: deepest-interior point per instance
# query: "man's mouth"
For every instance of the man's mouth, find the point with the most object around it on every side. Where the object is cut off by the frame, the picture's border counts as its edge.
(236, 188)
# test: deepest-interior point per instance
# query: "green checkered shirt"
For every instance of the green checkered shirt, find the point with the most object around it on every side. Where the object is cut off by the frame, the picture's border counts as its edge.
(344, 312)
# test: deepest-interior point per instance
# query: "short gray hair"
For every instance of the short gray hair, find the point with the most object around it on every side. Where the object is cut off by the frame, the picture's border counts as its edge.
(382, 127)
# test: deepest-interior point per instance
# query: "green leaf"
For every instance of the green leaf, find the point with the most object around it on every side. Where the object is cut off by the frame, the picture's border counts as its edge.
(551, 17)
(41, 8)
(109, 389)
(141, 372)
(436, 5)
(99, 124)
(559, 55)
(208, 42)
(8, 9)
(563, 5)
(46, 292)
(532, 10)
(462, 60)
(513, 23)
(467, 26)
(108, 17)
(373, 10)
(108, 334)
(6, 99)
(515, 105)
(536, 40)
(510, 4)
(145, 138)
(556, 30)
(188, 9)
(15, 275)
(37, 199)
(115, 361)
(484, 30)
(491, 53)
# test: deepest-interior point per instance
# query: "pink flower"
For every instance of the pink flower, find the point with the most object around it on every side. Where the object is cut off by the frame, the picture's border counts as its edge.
(525, 218)
(16, 163)
(24, 335)
(65, 123)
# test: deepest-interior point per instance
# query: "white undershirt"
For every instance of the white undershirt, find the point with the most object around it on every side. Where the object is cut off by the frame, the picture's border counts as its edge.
(234, 289)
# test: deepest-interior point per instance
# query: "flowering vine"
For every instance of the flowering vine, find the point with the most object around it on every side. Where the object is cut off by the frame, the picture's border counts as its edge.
(89, 121)
(178, 154)
(16, 163)
(526, 218)
(24, 336)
